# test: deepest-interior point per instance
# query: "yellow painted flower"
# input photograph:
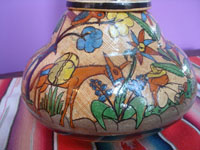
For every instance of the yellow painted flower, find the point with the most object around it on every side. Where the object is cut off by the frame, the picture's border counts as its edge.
(122, 24)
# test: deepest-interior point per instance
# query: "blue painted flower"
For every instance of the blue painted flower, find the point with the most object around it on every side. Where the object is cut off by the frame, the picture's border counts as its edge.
(171, 53)
(102, 98)
(101, 90)
(170, 46)
(137, 86)
(91, 38)
(141, 47)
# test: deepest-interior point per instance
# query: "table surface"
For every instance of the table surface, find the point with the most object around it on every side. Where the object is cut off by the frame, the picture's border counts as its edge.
(19, 130)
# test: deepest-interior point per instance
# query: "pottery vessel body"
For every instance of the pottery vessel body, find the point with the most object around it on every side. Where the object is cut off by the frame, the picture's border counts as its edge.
(108, 74)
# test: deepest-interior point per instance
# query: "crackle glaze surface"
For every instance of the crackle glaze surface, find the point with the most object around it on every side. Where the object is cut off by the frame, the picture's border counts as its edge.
(108, 73)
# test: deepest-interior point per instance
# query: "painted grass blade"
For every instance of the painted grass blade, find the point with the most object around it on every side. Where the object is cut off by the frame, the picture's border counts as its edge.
(49, 99)
(60, 107)
(58, 102)
(53, 100)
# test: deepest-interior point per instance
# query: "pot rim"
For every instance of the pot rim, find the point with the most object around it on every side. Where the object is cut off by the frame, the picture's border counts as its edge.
(117, 5)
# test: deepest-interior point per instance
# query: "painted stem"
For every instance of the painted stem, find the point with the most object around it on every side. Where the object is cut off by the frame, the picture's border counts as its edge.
(109, 101)
(87, 23)
(132, 70)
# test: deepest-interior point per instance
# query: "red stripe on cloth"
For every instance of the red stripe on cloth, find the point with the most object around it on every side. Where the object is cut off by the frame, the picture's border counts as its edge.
(45, 140)
(68, 143)
(183, 136)
(195, 60)
(4, 84)
(132, 145)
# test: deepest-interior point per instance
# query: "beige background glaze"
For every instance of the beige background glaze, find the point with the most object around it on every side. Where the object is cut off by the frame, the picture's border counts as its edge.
(114, 48)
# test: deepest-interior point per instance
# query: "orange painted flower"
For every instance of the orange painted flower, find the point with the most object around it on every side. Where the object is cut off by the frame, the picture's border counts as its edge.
(141, 47)
(157, 79)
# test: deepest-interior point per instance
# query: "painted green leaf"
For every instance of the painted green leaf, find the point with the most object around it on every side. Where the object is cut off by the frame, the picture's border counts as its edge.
(58, 102)
(170, 67)
(60, 107)
(188, 93)
(165, 56)
(139, 104)
(110, 113)
(174, 57)
(145, 26)
(98, 109)
(49, 99)
(59, 24)
(129, 113)
(118, 101)
(159, 110)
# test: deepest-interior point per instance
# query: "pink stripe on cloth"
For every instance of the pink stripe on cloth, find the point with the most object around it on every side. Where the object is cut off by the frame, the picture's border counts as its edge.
(28, 134)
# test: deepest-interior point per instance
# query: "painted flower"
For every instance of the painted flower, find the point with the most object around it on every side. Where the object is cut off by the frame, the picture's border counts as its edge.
(91, 39)
(121, 25)
(162, 90)
(100, 90)
(137, 86)
(166, 93)
(141, 47)
(170, 46)
(146, 16)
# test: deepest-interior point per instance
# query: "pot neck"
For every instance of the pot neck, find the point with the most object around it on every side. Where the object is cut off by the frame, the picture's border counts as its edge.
(109, 5)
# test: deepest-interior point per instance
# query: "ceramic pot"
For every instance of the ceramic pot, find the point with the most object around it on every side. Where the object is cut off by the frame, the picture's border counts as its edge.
(108, 73)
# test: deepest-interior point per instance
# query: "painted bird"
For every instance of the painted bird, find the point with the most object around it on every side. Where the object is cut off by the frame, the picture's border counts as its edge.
(86, 16)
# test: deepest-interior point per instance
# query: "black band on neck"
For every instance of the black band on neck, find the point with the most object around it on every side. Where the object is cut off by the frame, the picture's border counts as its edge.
(111, 6)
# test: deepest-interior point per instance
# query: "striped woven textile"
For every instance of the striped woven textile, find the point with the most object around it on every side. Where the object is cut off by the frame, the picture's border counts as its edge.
(19, 130)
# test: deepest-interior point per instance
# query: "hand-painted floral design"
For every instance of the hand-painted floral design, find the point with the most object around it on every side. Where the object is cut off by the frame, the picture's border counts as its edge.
(157, 80)
(170, 46)
(91, 39)
(146, 16)
(137, 86)
(100, 90)
(133, 96)
(166, 93)
(121, 25)
(141, 47)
